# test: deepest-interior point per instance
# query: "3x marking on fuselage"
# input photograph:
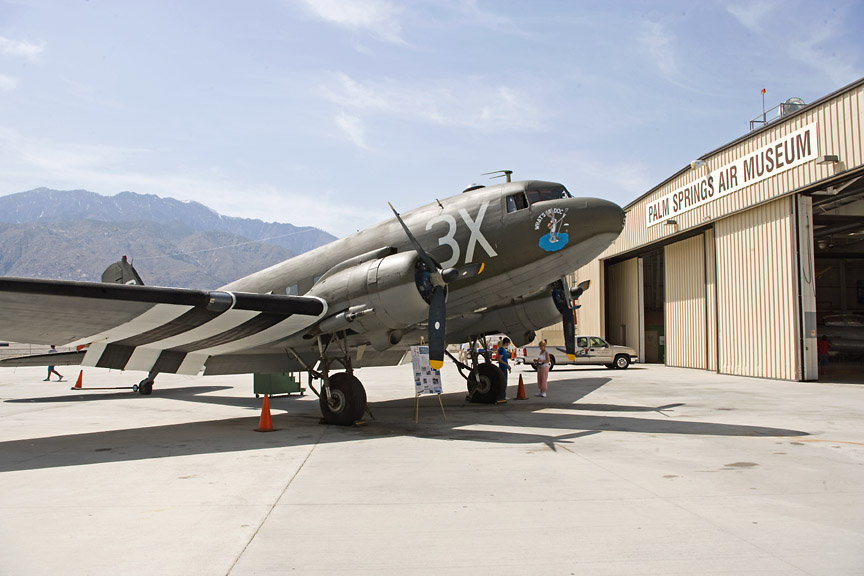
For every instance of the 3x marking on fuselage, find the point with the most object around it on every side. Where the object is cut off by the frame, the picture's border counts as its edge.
(475, 235)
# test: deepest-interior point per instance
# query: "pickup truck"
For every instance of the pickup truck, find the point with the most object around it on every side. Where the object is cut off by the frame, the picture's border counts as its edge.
(589, 350)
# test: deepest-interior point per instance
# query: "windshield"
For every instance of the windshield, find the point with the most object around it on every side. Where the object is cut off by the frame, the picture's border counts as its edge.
(552, 193)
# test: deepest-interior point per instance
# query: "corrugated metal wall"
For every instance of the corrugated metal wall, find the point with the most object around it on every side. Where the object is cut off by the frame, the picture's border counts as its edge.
(756, 307)
(622, 281)
(711, 298)
(750, 319)
(686, 307)
(590, 316)
(838, 122)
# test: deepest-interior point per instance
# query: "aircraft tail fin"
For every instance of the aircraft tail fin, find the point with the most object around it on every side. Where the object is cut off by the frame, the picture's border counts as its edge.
(122, 272)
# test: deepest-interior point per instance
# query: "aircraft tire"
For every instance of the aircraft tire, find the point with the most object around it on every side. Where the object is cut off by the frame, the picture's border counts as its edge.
(486, 384)
(145, 387)
(347, 400)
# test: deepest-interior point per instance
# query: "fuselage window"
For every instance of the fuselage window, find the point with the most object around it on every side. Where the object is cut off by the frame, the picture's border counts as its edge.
(539, 195)
(292, 290)
(516, 202)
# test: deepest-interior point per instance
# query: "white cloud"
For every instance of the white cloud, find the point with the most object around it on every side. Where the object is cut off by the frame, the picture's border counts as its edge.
(23, 49)
(376, 16)
(751, 15)
(8, 83)
(464, 102)
(352, 127)
(812, 42)
(657, 40)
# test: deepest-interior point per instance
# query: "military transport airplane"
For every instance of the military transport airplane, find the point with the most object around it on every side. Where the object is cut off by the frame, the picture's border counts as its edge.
(489, 260)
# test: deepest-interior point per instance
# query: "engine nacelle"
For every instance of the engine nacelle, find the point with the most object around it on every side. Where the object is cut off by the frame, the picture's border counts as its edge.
(387, 286)
(518, 321)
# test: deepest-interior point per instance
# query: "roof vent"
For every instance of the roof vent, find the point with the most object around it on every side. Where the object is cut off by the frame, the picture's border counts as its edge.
(791, 105)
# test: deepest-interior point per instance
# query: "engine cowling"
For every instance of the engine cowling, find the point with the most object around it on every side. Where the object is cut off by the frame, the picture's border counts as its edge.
(519, 320)
(392, 287)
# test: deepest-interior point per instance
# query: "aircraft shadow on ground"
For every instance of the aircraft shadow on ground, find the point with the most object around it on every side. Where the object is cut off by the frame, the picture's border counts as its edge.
(298, 424)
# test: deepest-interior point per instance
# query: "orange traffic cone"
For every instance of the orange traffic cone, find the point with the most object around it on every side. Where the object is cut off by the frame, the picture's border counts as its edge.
(79, 382)
(265, 424)
(520, 392)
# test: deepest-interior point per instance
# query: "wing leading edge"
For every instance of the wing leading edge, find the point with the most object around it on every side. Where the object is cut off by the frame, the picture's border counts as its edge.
(147, 327)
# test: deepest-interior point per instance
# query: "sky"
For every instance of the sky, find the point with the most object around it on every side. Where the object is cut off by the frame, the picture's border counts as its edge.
(319, 112)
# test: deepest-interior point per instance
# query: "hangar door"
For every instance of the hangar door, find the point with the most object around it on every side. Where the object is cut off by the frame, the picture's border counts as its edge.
(757, 274)
(623, 320)
(690, 303)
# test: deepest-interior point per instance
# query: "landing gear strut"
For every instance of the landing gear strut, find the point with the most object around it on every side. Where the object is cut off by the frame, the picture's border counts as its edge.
(486, 382)
(342, 398)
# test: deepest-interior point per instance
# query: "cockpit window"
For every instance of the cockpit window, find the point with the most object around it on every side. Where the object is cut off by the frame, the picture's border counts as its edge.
(516, 202)
(541, 194)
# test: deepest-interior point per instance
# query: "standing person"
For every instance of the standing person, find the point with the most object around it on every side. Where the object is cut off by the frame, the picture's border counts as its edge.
(51, 369)
(542, 369)
(504, 360)
(463, 352)
(822, 349)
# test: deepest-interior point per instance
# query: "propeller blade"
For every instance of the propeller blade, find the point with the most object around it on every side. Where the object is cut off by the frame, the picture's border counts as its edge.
(569, 334)
(420, 251)
(437, 324)
(438, 300)
(463, 272)
(563, 306)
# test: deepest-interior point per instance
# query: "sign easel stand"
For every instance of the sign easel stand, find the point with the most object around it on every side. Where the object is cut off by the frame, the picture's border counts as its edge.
(417, 407)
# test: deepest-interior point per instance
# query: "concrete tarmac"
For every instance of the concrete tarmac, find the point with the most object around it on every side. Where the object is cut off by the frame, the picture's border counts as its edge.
(650, 470)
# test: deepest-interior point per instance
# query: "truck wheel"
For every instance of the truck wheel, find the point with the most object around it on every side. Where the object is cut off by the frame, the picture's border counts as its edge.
(622, 361)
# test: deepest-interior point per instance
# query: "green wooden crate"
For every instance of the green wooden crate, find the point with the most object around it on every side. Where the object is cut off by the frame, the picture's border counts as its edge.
(276, 384)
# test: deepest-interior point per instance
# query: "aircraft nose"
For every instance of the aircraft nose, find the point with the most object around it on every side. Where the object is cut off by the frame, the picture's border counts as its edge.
(605, 216)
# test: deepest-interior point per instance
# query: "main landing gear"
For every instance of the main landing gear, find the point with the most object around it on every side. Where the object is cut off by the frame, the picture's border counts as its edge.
(342, 397)
(487, 384)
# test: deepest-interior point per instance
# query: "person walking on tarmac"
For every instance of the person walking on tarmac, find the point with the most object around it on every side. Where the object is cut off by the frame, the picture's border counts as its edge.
(51, 369)
(542, 369)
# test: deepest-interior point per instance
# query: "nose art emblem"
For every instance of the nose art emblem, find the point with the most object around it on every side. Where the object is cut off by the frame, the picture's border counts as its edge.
(553, 221)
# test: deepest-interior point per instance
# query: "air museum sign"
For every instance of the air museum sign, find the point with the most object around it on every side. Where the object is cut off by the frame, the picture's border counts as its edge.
(789, 151)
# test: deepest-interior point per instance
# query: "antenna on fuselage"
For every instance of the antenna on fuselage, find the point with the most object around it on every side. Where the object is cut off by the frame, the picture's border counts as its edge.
(501, 174)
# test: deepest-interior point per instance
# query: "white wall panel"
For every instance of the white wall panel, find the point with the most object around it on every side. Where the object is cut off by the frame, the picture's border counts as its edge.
(755, 292)
(622, 282)
(686, 307)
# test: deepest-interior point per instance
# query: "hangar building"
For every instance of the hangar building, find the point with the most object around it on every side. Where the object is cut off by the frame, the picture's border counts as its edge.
(742, 260)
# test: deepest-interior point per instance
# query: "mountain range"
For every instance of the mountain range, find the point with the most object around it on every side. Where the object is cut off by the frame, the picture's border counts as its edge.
(75, 234)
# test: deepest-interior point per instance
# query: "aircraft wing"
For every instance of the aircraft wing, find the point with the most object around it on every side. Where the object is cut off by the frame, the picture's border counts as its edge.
(149, 328)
